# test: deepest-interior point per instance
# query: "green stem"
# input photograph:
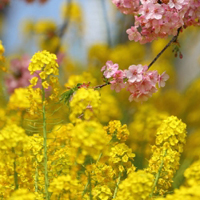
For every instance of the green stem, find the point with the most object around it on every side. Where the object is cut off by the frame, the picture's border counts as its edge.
(90, 186)
(45, 145)
(85, 189)
(36, 176)
(158, 175)
(15, 176)
(117, 186)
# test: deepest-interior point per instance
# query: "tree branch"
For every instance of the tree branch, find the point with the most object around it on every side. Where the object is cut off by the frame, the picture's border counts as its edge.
(174, 39)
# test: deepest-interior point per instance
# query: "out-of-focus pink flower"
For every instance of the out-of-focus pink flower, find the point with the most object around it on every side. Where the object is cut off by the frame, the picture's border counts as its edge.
(60, 57)
(117, 85)
(118, 81)
(110, 69)
(133, 34)
(127, 6)
(176, 4)
(19, 75)
(162, 79)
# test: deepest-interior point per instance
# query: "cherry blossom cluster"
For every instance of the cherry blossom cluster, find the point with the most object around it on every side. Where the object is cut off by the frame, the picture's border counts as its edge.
(159, 18)
(139, 81)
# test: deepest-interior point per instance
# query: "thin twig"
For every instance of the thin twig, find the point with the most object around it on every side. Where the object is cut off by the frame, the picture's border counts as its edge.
(100, 86)
(174, 39)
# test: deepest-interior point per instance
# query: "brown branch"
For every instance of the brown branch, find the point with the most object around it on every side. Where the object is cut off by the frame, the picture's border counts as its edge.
(174, 39)
(100, 86)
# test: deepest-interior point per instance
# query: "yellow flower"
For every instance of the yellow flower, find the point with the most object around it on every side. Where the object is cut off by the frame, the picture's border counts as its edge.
(137, 186)
(44, 61)
(34, 81)
(170, 138)
(45, 84)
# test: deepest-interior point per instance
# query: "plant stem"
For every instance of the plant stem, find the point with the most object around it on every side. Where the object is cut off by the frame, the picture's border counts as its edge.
(36, 176)
(85, 189)
(15, 173)
(90, 186)
(174, 39)
(158, 175)
(45, 145)
(117, 186)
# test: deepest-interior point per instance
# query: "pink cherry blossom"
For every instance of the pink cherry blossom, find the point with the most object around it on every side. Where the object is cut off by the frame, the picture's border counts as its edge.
(118, 81)
(117, 85)
(133, 34)
(134, 73)
(176, 4)
(140, 82)
(162, 79)
(155, 19)
(110, 69)
(127, 6)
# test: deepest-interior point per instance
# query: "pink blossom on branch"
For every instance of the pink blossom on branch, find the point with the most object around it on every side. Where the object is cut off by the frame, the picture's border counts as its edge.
(109, 69)
(118, 81)
(140, 82)
(162, 78)
(159, 18)
(127, 6)
(134, 73)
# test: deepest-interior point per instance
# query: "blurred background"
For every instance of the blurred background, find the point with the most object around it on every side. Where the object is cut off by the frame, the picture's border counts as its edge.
(85, 34)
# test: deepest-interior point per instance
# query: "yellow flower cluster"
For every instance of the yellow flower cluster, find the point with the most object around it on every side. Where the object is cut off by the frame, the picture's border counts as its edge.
(65, 187)
(19, 99)
(121, 158)
(35, 99)
(12, 136)
(23, 194)
(137, 186)
(191, 193)
(103, 174)
(85, 77)
(102, 192)
(116, 131)
(45, 62)
(171, 133)
(84, 105)
(192, 174)
(164, 162)
(110, 108)
(88, 139)
(146, 121)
